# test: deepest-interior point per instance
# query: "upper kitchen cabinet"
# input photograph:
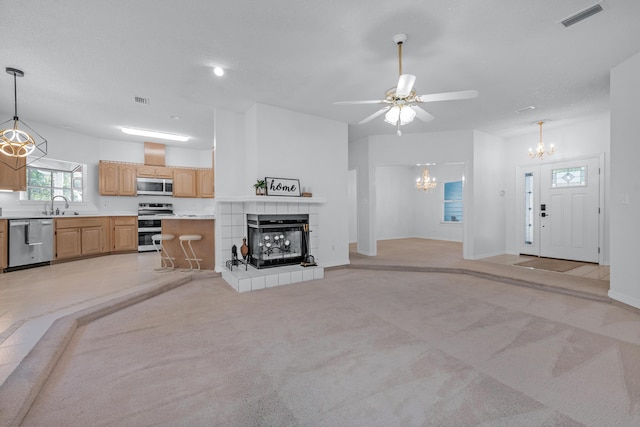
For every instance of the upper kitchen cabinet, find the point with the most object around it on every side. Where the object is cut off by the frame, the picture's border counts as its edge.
(13, 178)
(205, 183)
(155, 172)
(117, 179)
(184, 183)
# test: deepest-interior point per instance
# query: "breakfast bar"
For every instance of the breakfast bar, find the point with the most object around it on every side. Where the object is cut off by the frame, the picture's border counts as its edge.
(191, 225)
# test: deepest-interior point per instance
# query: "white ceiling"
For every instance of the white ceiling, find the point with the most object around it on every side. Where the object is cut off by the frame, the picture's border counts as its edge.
(85, 61)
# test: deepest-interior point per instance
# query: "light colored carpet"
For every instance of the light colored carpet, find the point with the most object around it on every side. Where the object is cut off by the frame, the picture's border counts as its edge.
(550, 264)
(366, 348)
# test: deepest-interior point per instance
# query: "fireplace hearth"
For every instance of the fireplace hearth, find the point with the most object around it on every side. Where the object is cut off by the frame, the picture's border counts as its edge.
(277, 240)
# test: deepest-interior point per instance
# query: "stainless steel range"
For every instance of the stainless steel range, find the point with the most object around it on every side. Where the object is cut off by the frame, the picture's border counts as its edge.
(150, 222)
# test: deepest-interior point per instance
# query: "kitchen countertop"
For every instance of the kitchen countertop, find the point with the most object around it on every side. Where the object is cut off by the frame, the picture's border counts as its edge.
(196, 217)
(66, 215)
(90, 215)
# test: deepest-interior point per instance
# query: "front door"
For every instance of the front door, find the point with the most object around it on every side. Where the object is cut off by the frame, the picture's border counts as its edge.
(561, 210)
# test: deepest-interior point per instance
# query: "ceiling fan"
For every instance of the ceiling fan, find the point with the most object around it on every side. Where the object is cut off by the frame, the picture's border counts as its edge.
(402, 102)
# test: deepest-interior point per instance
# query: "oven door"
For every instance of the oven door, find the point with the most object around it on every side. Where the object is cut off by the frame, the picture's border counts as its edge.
(145, 244)
(147, 227)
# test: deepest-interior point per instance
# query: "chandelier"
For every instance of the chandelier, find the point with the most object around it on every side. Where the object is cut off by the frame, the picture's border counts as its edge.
(540, 150)
(426, 183)
(17, 143)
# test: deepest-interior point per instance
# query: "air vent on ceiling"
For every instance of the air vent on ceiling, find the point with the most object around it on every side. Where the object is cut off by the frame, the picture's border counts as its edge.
(141, 100)
(582, 15)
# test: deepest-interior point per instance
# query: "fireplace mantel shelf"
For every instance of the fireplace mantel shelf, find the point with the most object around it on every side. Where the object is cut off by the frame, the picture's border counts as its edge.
(272, 199)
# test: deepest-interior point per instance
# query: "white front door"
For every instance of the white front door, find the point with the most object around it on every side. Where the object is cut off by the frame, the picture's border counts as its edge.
(560, 212)
(569, 223)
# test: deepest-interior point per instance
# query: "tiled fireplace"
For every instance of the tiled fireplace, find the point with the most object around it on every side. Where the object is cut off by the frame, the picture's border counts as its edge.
(235, 219)
(277, 240)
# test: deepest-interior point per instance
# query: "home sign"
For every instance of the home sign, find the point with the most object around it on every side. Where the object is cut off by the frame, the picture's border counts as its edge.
(282, 187)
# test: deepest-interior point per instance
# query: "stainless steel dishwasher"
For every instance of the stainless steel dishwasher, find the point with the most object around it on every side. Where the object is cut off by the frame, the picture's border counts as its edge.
(30, 241)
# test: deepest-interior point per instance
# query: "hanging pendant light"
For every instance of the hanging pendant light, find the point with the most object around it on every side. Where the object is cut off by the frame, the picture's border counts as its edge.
(540, 150)
(15, 142)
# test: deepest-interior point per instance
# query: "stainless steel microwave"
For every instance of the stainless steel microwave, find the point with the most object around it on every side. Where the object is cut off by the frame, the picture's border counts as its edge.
(155, 187)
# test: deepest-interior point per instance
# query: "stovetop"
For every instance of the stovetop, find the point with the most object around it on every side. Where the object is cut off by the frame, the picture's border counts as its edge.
(155, 209)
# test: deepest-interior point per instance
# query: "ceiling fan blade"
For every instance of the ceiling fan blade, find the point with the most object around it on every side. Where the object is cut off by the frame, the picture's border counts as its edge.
(382, 101)
(405, 85)
(422, 114)
(448, 96)
(374, 115)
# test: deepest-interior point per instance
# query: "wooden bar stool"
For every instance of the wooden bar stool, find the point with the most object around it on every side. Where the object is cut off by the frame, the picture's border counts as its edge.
(166, 260)
(190, 255)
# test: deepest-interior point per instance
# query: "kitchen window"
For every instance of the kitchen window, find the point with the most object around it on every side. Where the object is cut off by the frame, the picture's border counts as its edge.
(47, 178)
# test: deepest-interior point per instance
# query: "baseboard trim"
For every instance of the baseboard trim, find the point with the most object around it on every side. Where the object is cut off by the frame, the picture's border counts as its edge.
(627, 300)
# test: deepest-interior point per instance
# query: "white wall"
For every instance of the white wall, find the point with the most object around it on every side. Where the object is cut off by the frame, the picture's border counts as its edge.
(286, 144)
(366, 216)
(587, 138)
(394, 202)
(625, 190)
(230, 156)
(352, 194)
(486, 235)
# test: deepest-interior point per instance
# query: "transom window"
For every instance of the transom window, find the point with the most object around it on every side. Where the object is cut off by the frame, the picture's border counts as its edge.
(453, 207)
(569, 177)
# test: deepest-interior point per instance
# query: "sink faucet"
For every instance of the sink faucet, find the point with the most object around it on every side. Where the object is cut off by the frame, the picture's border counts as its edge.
(66, 203)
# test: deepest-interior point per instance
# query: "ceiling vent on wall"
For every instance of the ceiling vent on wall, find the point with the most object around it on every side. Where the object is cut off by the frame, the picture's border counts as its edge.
(141, 100)
(582, 15)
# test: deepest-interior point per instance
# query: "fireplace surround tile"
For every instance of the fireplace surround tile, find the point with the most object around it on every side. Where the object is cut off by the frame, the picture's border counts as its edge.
(284, 278)
(258, 282)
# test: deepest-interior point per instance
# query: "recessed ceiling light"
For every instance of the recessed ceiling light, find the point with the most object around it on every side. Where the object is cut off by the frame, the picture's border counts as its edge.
(218, 71)
(155, 134)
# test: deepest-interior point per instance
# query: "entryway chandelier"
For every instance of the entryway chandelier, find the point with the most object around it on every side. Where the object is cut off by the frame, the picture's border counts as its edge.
(16, 143)
(540, 150)
(426, 183)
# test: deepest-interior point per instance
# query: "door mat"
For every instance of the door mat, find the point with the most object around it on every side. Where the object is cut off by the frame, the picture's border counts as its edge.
(551, 264)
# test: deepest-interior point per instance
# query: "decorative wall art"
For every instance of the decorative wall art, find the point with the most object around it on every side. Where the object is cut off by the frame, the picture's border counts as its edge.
(283, 187)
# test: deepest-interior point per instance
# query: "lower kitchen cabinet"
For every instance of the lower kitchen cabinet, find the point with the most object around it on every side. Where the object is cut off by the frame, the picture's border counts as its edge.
(78, 237)
(124, 233)
(68, 243)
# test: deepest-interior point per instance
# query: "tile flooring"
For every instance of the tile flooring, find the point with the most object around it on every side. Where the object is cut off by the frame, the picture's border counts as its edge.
(589, 270)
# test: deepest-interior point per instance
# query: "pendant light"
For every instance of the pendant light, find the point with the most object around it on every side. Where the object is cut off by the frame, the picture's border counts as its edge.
(540, 150)
(17, 143)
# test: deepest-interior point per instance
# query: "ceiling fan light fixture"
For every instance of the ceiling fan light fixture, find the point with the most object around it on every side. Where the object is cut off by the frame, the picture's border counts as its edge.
(403, 113)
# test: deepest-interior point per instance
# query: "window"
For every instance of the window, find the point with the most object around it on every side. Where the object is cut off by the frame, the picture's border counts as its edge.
(569, 177)
(453, 201)
(528, 208)
(47, 178)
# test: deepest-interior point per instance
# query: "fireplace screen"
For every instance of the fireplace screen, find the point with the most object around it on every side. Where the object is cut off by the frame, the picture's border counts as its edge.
(276, 240)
